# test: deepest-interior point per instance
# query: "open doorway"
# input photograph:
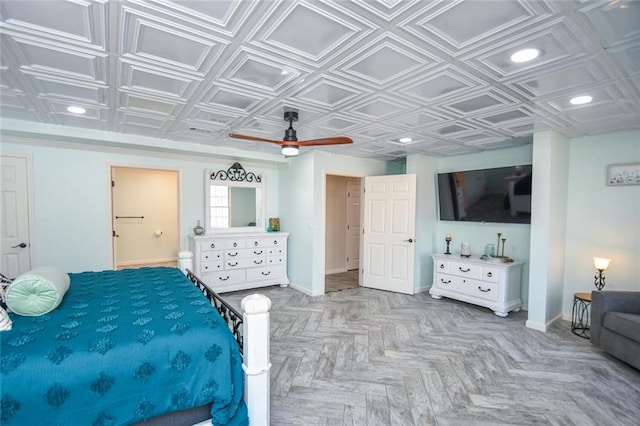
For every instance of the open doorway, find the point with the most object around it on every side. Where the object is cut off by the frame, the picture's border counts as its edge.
(145, 217)
(342, 233)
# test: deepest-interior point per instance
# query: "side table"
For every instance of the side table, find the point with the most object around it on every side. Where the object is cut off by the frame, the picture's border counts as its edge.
(580, 314)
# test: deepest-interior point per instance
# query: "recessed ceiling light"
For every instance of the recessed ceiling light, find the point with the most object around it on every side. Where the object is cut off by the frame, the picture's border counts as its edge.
(581, 100)
(284, 72)
(525, 55)
(405, 140)
(76, 110)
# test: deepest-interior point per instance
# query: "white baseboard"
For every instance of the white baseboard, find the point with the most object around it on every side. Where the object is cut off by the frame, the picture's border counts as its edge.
(422, 289)
(305, 290)
(542, 327)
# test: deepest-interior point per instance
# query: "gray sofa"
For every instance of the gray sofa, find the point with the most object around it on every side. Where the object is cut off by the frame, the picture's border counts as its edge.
(615, 324)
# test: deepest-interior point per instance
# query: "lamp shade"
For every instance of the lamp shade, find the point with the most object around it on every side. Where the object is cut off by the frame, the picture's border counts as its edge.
(601, 263)
(289, 150)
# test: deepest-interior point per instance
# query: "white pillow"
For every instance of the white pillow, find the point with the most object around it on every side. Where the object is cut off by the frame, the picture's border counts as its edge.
(38, 291)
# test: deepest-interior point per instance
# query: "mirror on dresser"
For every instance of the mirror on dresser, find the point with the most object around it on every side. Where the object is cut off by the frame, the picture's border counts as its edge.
(234, 201)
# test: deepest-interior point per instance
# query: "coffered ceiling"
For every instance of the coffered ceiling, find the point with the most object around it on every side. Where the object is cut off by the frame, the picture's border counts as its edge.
(438, 72)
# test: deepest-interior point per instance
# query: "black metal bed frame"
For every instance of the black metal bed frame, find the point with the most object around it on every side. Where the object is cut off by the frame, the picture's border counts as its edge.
(232, 317)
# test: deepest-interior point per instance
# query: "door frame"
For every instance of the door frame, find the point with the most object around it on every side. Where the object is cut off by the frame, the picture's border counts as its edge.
(110, 224)
(326, 173)
(30, 206)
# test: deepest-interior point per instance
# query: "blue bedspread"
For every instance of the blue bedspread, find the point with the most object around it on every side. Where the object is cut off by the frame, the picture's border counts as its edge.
(123, 346)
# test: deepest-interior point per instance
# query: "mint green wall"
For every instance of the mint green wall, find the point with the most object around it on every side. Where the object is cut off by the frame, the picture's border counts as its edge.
(72, 198)
(548, 220)
(603, 221)
(426, 218)
(302, 197)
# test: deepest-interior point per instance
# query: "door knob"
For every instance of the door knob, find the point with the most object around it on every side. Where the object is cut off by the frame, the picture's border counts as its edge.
(410, 240)
(21, 245)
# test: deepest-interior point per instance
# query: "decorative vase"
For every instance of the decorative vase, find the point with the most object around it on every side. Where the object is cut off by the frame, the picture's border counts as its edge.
(198, 229)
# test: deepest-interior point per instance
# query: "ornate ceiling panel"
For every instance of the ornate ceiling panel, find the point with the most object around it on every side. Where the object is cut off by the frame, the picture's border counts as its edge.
(438, 72)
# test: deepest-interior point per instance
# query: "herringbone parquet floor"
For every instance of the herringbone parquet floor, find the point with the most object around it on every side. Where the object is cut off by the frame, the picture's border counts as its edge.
(368, 357)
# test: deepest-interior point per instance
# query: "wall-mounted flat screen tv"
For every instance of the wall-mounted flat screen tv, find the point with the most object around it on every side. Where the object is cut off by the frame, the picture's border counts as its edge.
(500, 195)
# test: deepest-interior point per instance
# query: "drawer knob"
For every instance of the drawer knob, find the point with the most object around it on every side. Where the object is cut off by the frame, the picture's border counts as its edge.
(463, 270)
(441, 266)
(232, 254)
(489, 274)
(255, 243)
(235, 244)
(232, 264)
(266, 273)
(223, 279)
(275, 242)
(445, 282)
(484, 291)
(257, 262)
(257, 252)
(213, 245)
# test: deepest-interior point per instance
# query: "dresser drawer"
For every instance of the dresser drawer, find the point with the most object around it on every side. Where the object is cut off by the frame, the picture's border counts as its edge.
(276, 260)
(442, 266)
(243, 253)
(215, 265)
(276, 251)
(223, 278)
(244, 263)
(470, 287)
(235, 244)
(467, 270)
(208, 256)
(491, 274)
(214, 244)
(268, 242)
(266, 273)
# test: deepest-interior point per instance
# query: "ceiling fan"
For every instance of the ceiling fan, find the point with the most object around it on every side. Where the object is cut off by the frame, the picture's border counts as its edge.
(290, 143)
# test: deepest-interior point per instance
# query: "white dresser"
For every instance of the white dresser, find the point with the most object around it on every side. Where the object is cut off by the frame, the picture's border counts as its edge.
(230, 262)
(489, 283)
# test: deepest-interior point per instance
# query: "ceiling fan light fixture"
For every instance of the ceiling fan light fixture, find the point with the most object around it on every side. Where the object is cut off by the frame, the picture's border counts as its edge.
(405, 140)
(525, 55)
(289, 150)
(580, 100)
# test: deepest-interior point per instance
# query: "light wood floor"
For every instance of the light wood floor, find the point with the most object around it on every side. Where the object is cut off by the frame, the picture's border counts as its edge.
(368, 357)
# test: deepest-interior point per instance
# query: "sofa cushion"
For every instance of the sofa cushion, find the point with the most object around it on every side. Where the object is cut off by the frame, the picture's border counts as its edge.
(627, 325)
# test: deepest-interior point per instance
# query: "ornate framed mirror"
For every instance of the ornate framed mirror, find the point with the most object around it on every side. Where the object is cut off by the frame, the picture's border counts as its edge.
(234, 201)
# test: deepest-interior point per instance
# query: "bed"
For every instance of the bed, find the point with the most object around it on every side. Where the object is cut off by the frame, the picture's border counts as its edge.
(133, 346)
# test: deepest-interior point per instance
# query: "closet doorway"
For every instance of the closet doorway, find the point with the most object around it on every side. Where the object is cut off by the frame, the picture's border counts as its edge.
(145, 217)
(342, 233)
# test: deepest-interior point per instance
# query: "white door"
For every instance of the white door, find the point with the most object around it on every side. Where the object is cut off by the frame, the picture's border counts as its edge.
(353, 225)
(14, 216)
(388, 232)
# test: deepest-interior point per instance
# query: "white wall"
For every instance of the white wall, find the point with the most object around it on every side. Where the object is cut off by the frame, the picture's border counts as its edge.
(71, 189)
(603, 221)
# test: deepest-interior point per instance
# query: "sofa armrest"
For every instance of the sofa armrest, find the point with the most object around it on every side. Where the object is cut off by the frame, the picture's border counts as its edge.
(611, 301)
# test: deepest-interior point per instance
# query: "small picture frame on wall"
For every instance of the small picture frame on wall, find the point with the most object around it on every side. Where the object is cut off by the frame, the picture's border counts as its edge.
(623, 174)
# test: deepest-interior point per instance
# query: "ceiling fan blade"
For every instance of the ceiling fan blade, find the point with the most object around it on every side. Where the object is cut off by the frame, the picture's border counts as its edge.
(338, 140)
(254, 138)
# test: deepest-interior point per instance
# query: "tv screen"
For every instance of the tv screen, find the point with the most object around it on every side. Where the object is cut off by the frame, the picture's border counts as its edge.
(500, 195)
